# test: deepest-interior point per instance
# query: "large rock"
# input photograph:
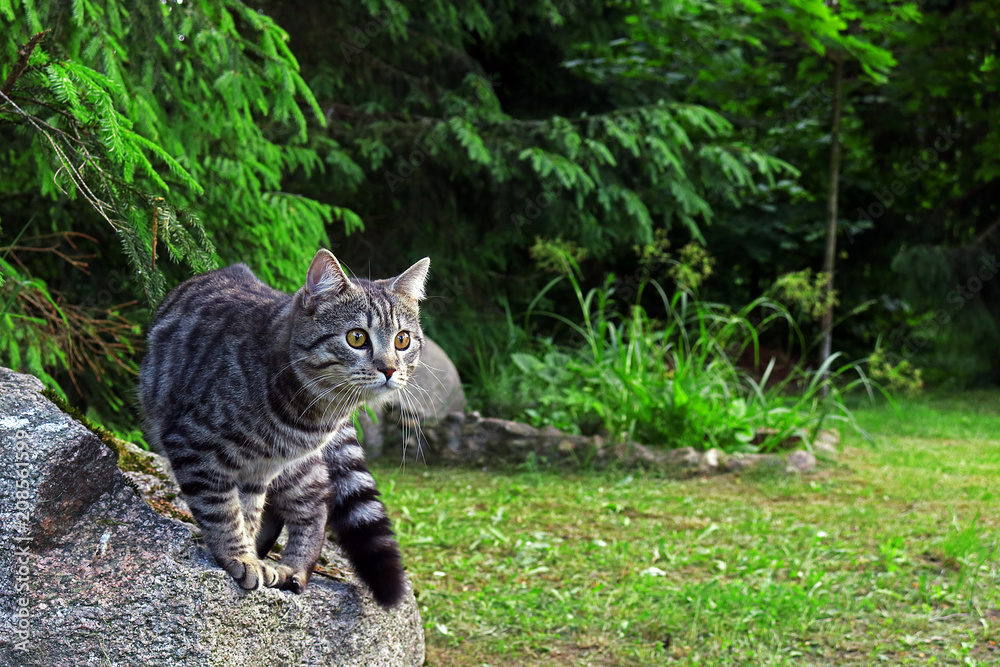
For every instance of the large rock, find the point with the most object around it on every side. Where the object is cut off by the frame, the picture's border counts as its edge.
(92, 575)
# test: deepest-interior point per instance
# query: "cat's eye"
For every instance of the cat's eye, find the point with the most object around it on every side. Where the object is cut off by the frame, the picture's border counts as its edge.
(357, 338)
(402, 340)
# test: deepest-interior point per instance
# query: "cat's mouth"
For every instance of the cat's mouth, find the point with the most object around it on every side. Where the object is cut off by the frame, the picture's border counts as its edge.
(379, 388)
(377, 393)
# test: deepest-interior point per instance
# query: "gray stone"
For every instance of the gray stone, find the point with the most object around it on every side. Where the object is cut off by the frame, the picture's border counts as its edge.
(828, 435)
(684, 458)
(632, 453)
(736, 463)
(710, 460)
(826, 443)
(740, 462)
(825, 450)
(800, 461)
(92, 575)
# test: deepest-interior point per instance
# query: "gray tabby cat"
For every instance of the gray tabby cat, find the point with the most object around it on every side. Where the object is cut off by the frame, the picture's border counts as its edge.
(249, 392)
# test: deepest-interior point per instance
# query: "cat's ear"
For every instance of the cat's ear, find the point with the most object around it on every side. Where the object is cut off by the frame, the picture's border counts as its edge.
(411, 282)
(325, 278)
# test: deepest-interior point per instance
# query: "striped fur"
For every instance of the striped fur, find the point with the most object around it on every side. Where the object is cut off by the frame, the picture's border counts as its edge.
(249, 392)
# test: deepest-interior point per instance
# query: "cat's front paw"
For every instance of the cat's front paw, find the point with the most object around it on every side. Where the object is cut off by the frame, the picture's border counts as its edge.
(251, 573)
(283, 575)
(294, 581)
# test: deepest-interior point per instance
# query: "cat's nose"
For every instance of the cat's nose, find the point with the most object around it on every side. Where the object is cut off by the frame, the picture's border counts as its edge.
(387, 371)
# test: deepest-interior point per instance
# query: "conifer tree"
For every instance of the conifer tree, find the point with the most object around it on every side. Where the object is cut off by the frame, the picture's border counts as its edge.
(142, 142)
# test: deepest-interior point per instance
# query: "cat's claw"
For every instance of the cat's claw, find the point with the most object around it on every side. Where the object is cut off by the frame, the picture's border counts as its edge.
(283, 576)
(271, 576)
(295, 581)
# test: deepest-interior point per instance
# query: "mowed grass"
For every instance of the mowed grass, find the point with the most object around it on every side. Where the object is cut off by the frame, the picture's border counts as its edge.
(887, 556)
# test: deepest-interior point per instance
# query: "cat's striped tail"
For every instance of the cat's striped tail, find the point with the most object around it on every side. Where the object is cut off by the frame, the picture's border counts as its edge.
(359, 521)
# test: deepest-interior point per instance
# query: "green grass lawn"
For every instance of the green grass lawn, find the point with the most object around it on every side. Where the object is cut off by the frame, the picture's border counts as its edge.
(889, 555)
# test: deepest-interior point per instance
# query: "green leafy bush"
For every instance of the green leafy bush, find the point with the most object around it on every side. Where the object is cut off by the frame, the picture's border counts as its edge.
(902, 376)
(675, 382)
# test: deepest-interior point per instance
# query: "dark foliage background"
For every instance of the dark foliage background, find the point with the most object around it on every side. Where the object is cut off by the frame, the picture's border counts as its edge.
(142, 142)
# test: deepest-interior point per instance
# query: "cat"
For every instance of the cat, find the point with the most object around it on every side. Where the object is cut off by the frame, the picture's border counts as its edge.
(249, 392)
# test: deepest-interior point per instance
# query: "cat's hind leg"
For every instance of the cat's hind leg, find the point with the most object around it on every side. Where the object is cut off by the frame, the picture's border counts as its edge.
(270, 528)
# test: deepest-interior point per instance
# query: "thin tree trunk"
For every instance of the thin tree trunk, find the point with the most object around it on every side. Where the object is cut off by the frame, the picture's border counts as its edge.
(830, 257)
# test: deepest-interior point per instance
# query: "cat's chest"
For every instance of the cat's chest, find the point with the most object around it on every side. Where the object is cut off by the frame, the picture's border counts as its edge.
(281, 456)
(292, 445)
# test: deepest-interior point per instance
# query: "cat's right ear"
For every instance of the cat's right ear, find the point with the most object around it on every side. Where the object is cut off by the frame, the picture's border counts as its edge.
(325, 278)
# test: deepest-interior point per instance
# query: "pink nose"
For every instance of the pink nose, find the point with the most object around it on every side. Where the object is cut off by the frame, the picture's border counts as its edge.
(388, 372)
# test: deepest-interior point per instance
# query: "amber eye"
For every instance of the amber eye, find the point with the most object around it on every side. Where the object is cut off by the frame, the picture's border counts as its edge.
(402, 340)
(356, 338)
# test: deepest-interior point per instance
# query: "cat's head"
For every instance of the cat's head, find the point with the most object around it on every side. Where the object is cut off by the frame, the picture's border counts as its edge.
(357, 339)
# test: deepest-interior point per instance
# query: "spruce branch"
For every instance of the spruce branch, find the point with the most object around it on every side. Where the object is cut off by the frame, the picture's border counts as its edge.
(66, 165)
(23, 55)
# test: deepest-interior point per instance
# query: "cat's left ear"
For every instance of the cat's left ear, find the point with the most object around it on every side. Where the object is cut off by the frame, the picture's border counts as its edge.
(411, 282)
(325, 277)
